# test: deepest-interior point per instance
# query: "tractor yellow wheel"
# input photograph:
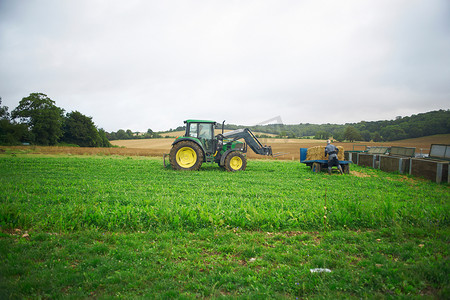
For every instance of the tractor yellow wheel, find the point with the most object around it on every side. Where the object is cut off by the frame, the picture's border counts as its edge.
(235, 161)
(186, 157)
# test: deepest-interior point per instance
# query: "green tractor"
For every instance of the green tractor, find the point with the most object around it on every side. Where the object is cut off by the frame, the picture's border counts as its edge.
(199, 145)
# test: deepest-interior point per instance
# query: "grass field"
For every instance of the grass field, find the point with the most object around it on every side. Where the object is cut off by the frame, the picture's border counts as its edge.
(109, 226)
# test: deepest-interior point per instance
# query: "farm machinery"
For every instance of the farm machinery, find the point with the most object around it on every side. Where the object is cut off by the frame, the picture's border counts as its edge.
(319, 164)
(199, 145)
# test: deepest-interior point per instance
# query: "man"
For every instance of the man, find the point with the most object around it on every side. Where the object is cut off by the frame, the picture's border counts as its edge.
(332, 151)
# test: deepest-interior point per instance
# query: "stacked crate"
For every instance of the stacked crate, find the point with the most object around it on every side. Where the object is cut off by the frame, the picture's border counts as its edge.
(398, 160)
(435, 167)
(352, 155)
(371, 158)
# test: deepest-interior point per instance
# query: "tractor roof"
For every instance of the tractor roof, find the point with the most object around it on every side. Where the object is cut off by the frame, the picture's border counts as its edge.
(199, 121)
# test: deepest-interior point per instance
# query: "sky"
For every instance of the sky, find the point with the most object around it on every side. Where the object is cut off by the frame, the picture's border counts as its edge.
(138, 65)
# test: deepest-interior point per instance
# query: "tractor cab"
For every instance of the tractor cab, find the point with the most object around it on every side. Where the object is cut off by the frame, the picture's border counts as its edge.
(202, 130)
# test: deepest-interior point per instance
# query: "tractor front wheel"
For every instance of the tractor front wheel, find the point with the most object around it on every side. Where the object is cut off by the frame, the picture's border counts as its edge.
(235, 161)
(186, 155)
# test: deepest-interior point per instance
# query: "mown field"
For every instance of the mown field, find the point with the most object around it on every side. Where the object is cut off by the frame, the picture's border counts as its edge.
(110, 226)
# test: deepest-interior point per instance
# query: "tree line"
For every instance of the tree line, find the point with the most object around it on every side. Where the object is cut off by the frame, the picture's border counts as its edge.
(38, 121)
(423, 124)
(128, 135)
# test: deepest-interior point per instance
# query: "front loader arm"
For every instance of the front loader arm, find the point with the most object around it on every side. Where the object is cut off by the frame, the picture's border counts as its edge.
(250, 139)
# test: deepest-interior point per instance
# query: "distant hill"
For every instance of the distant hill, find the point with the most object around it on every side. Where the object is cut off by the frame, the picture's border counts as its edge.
(431, 139)
(414, 126)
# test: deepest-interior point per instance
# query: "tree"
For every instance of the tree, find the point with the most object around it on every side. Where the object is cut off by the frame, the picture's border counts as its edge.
(366, 136)
(290, 135)
(392, 133)
(80, 130)
(110, 136)
(376, 137)
(42, 117)
(121, 135)
(11, 133)
(352, 134)
(129, 134)
(3, 111)
(104, 140)
(5, 126)
(339, 135)
(322, 135)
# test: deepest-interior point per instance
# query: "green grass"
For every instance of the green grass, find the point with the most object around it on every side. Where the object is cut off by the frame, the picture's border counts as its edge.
(81, 227)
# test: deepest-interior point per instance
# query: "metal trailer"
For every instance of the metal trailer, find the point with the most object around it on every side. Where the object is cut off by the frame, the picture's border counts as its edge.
(318, 165)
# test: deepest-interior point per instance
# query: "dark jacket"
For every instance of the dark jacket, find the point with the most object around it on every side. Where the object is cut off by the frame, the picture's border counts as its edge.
(332, 151)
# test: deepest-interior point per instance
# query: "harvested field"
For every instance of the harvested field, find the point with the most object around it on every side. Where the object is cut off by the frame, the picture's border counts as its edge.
(290, 147)
(54, 150)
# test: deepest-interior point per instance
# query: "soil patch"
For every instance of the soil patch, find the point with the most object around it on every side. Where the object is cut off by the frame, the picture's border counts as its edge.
(359, 174)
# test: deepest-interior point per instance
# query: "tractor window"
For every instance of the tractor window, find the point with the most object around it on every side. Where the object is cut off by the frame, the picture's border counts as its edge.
(205, 131)
(193, 130)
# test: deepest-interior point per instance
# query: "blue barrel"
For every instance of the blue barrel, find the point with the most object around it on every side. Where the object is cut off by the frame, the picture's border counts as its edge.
(303, 152)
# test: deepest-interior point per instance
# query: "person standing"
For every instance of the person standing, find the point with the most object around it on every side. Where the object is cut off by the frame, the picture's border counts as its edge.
(332, 152)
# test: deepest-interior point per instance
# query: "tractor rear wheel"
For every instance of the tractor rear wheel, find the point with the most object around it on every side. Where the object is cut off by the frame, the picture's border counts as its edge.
(186, 155)
(235, 161)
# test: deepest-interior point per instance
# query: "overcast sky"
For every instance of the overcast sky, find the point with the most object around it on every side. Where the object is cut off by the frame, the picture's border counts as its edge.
(136, 64)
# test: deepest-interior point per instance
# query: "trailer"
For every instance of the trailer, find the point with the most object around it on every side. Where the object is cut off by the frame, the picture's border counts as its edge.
(318, 165)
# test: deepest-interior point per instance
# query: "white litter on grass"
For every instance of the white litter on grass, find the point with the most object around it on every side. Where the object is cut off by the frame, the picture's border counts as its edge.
(319, 270)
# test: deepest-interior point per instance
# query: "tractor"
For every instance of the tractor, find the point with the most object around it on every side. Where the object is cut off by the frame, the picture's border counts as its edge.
(199, 145)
